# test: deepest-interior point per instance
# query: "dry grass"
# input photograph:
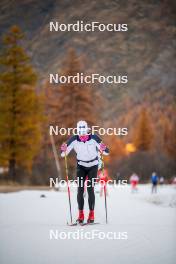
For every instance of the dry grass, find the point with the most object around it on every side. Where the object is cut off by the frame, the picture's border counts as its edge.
(17, 188)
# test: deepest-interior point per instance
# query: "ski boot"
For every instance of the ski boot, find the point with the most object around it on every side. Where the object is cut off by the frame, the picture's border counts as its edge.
(90, 219)
(80, 219)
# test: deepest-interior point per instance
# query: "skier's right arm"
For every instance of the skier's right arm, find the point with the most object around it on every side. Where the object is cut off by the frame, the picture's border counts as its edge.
(99, 145)
(68, 146)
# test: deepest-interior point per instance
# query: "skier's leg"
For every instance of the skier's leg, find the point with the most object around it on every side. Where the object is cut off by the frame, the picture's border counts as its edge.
(85, 187)
(107, 192)
(152, 187)
(101, 191)
(92, 175)
(81, 176)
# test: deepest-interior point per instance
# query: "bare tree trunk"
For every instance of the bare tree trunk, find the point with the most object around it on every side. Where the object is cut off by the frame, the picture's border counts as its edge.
(56, 157)
(12, 169)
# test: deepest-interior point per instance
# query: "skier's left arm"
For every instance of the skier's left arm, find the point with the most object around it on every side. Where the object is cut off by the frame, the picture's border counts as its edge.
(100, 145)
(69, 145)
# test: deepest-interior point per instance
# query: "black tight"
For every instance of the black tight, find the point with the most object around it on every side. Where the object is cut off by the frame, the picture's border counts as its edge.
(91, 173)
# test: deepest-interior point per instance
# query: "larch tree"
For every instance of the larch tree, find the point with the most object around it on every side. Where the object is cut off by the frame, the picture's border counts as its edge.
(170, 138)
(70, 102)
(143, 134)
(20, 107)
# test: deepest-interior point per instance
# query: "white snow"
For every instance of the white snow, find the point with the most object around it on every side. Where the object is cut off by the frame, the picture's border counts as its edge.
(149, 220)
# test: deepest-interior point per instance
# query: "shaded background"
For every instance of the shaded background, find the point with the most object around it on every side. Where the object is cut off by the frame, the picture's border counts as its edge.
(146, 105)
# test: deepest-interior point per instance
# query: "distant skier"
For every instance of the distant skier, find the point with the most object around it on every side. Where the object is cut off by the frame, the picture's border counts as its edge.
(161, 180)
(86, 146)
(103, 178)
(154, 180)
(174, 181)
(134, 180)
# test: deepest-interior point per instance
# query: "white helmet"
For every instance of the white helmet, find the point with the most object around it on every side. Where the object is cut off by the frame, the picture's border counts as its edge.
(82, 128)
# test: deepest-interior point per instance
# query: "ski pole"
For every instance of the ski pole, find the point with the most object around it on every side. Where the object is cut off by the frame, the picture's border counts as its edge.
(106, 211)
(68, 187)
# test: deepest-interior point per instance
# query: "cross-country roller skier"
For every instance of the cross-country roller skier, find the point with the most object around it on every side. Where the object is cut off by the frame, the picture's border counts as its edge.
(87, 146)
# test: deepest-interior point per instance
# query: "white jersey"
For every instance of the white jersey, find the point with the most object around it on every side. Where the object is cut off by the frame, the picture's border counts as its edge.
(134, 177)
(87, 152)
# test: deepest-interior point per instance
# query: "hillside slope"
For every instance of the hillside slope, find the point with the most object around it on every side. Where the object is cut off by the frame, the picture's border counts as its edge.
(145, 53)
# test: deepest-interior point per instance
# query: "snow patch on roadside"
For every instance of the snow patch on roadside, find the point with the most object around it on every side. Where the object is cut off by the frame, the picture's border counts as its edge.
(165, 200)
